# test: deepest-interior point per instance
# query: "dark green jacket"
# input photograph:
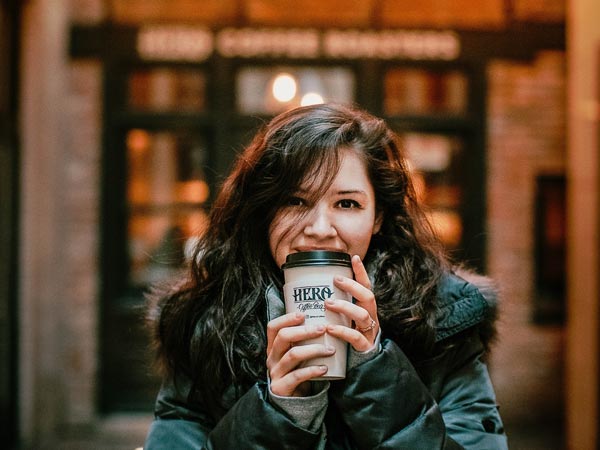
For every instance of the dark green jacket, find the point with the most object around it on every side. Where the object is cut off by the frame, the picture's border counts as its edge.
(446, 402)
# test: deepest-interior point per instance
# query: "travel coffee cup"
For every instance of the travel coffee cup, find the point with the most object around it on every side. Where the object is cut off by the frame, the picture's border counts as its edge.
(308, 283)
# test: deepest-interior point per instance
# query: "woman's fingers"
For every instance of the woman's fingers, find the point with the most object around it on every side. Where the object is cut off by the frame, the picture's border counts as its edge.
(296, 356)
(363, 335)
(363, 312)
(288, 336)
(284, 358)
(288, 385)
(355, 338)
(360, 287)
(360, 272)
(287, 320)
(360, 293)
(354, 312)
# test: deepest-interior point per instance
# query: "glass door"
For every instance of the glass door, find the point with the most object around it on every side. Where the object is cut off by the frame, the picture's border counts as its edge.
(157, 184)
(167, 192)
(431, 109)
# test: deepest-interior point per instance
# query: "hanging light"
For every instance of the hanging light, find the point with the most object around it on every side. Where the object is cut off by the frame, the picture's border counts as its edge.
(311, 98)
(284, 87)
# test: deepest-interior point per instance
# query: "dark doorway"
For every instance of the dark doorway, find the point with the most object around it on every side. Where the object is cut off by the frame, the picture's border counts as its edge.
(550, 249)
(9, 19)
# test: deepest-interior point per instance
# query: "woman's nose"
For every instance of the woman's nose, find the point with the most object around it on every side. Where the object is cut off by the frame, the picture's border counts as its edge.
(319, 223)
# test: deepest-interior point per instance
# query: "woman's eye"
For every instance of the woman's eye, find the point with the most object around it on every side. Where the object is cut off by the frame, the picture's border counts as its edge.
(348, 204)
(295, 201)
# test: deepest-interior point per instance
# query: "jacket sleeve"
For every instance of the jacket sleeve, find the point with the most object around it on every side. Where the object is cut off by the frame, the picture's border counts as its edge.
(181, 425)
(467, 400)
(385, 405)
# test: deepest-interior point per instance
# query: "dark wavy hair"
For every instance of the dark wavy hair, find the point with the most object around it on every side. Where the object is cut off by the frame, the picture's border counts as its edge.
(212, 328)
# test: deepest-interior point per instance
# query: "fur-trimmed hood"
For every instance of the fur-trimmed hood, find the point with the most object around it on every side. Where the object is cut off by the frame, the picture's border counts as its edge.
(467, 299)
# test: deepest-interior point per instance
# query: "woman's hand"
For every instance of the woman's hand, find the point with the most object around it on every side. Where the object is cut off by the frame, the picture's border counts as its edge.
(284, 359)
(288, 379)
(363, 312)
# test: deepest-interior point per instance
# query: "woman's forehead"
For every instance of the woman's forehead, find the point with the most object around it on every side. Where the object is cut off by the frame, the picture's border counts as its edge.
(347, 166)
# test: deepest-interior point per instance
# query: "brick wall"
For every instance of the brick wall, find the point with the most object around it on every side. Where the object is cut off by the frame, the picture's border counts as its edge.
(81, 219)
(526, 138)
(526, 132)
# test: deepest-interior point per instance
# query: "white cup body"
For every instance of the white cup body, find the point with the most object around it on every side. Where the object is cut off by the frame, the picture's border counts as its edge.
(306, 289)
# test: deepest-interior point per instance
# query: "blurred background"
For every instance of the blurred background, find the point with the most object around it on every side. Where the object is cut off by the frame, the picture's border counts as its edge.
(119, 119)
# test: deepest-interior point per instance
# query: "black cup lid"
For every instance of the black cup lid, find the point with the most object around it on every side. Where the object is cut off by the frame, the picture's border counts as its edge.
(317, 258)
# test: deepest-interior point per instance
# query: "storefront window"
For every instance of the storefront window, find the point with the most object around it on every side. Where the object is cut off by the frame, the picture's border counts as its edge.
(419, 91)
(435, 161)
(166, 89)
(270, 90)
(166, 194)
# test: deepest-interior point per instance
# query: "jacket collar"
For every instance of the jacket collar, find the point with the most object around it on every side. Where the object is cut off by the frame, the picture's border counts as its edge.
(275, 305)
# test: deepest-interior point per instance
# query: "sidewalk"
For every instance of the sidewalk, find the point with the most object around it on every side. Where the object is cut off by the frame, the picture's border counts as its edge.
(116, 432)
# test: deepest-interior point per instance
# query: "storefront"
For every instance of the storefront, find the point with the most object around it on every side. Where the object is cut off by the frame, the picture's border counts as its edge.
(181, 101)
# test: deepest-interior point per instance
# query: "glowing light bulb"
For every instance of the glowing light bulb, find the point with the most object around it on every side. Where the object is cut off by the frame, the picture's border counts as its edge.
(284, 87)
(311, 98)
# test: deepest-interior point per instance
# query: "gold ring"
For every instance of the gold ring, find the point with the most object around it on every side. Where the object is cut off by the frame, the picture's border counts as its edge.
(369, 328)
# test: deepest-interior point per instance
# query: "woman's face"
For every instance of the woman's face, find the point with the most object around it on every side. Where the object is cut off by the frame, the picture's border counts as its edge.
(343, 219)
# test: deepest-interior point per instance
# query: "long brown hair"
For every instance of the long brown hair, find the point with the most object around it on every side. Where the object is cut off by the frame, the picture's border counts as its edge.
(212, 329)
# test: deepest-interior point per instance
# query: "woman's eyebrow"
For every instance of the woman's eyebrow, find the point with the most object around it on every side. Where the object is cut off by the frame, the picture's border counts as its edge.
(351, 191)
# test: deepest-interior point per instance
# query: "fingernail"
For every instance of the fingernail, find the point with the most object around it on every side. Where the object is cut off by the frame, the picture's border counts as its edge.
(323, 368)
(299, 315)
(330, 349)
(330, 301)
(320, 327)
(339, 278)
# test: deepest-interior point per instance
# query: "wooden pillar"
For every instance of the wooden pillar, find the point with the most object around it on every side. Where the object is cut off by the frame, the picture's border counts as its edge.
(583, 242)
(43, 124)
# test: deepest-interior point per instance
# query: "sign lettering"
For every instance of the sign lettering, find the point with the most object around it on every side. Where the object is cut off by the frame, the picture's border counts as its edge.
(189, 43)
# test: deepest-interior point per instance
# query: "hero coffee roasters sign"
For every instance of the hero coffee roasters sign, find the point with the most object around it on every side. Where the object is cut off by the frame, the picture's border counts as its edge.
(195, 44)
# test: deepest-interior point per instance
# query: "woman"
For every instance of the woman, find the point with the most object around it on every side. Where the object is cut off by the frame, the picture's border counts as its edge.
(327, 177)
